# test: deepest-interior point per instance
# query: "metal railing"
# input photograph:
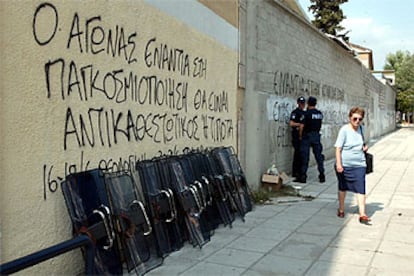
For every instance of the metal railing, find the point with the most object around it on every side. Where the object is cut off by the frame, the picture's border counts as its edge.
(51, 252)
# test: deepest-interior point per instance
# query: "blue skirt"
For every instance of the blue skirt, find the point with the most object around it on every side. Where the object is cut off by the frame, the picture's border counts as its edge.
(352, 179)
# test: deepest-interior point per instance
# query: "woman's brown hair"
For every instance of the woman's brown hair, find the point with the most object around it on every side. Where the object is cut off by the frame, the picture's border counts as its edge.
(358, 110)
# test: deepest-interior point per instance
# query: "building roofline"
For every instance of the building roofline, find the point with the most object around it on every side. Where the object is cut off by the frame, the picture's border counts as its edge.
(359, 46)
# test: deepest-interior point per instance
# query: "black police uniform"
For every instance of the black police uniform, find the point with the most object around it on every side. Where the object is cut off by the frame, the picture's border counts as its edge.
(312, 138)
(296, 116)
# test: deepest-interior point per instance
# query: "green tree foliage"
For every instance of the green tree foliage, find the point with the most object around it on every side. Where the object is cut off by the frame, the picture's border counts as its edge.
(403, 64)
(328, 15)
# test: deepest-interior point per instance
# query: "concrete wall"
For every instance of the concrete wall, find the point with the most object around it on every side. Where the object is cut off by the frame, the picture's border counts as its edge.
(88, 84)
(286, 58)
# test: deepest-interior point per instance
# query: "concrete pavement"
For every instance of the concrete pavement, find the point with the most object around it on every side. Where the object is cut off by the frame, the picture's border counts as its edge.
(298, 237)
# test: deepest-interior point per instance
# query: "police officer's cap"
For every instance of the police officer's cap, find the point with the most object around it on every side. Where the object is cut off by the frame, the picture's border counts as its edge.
(312, 101)
(301, 99)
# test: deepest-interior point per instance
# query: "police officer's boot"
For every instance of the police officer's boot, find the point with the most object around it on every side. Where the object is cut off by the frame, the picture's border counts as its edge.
(321, 178)
(302, 179)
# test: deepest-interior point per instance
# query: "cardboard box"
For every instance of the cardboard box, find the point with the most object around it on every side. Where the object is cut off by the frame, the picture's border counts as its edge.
(284, 177)
(273, 183)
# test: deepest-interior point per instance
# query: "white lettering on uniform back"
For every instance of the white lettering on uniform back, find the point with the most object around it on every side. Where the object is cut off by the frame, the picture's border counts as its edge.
(317, 116)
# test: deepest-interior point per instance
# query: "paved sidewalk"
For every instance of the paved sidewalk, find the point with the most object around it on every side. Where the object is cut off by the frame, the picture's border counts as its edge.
(307, 238)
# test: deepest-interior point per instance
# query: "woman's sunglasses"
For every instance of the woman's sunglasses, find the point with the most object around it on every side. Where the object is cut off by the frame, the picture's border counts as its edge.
(357, 119)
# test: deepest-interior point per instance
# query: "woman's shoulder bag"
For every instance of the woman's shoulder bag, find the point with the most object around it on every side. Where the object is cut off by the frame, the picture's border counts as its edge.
(369, 158)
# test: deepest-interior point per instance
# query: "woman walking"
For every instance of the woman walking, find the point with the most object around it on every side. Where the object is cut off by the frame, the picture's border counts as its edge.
(350, 162)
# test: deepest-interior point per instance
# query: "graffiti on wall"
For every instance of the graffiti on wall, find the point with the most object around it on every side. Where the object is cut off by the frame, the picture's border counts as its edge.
(147, 90)
(278, 111)
(294, 85)
(287, 87)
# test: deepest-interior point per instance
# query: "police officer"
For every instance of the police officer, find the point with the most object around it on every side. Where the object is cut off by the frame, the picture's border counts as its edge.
(296, 118)
(310, 137)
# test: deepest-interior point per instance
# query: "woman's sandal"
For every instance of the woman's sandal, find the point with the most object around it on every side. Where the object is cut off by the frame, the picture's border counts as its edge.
(340, 213)
(364, 220)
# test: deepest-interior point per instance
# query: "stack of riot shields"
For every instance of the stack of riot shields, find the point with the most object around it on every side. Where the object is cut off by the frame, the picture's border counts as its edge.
(139, 217)
(88, 206)
(234, 175)
(220, 193)
(155, 181)
(95, 196)
(133, 224)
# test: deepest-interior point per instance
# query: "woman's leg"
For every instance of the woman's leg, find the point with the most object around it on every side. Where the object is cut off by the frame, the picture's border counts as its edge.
(361, 204)
(341, 198)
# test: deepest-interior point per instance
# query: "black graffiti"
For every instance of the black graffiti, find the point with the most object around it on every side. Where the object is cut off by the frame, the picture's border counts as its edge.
(217, 129)
(169, 152)
(86, 82)
(120, 164)
(382, 99)
(199, 148)
(281, 111)
(163, 57)
(287, 84)
(42, 14)
(174, 151)
(335, 117)
(200, 68)
(334, 93)
(52, 179)
(52, 182)
(104, 125)
(212, 101)
(91, 37)
(101, 127)
(282, 137)
(49, 183)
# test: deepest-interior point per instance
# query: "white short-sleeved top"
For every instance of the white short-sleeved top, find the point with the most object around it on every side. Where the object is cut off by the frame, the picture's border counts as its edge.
(351, 143)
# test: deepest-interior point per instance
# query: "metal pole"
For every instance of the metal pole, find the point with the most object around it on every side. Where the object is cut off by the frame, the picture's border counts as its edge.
(50, 252)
